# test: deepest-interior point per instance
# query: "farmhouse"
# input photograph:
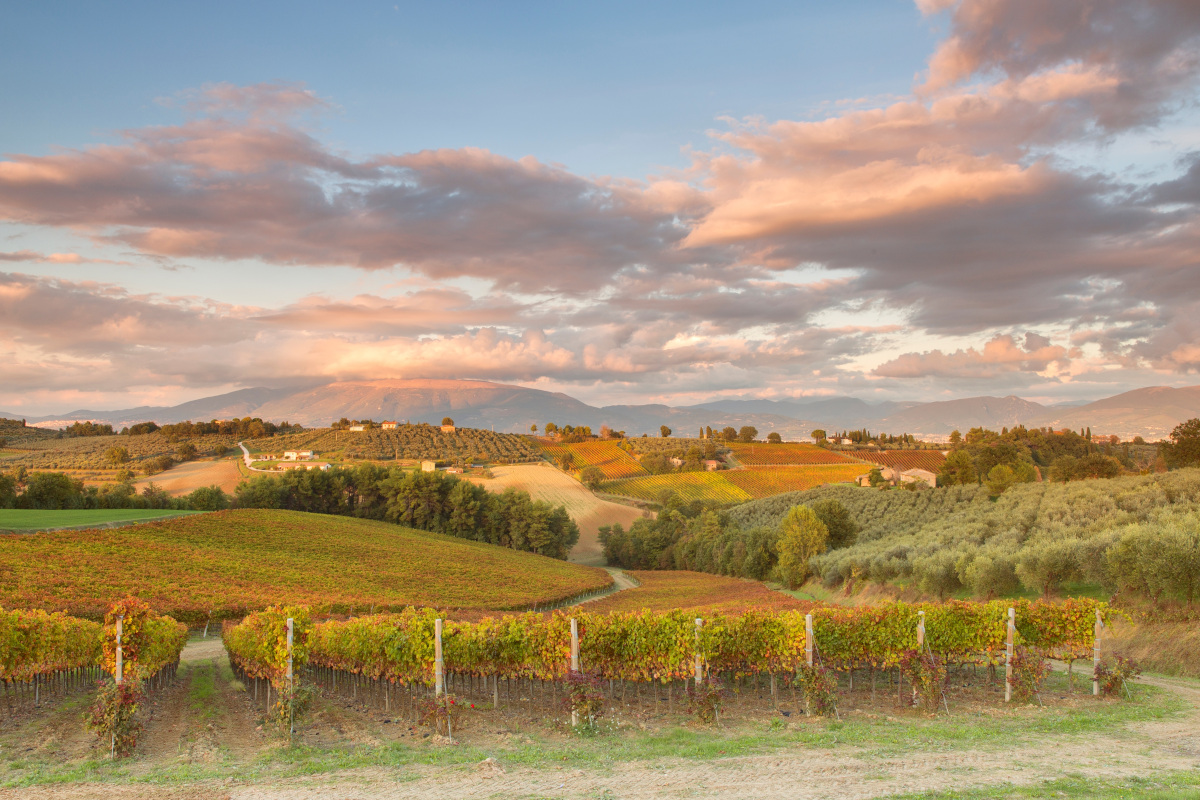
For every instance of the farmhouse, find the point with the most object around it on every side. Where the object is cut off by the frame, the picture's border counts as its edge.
(309, 465)
(919, 476)
(390, 426)
(454, 470)
(357, 428)
(712, 465)
(428, 466)
(447, 429)
(676, 461)
(298, 455)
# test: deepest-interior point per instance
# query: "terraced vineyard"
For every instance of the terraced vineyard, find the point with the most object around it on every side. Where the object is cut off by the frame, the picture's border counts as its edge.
(711, 486)
(694, 591)
(232, 562)
(759, 483)
(901, 460)
(607, 456)
(758, 454)
(411, 442)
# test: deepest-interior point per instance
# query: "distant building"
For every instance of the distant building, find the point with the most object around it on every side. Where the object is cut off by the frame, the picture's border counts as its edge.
(297, 455)
(454, 470)
(676, 462)
(305, 466)
(390, 426)
(919, 476)
(357, 428)
(712, 465)
(447, 429)
(428, 466)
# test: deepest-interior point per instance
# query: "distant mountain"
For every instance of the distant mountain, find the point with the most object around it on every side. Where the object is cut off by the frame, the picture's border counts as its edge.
(944, 416)
(1151, 412)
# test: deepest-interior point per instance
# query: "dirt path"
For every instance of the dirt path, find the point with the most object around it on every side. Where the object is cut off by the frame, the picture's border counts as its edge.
(800, 772)
(544, 482)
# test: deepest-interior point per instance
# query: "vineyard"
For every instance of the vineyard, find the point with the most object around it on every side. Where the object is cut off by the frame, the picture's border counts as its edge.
(54, 649)
(708, 486)
(695, 592)
(758, 454)
(607, 456)
(657, 647)
(901, 460)
(229, 563)
(90, 452)
(768, 481)
(409, 442)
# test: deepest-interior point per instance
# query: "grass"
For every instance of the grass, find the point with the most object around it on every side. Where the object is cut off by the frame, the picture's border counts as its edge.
(226, 563)
(23, 520)
(624, 741)
(1169, 786)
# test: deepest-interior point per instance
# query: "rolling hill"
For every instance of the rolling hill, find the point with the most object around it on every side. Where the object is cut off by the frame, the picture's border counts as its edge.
(1151, 412)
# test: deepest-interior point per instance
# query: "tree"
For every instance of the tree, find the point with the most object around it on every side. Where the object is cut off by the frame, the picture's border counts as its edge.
(802, 535)
(842, 528)
(533, 428)
(664, 430)
(447, 421)
(999, 478)
(116, 456)
(550, 428)
(875, 477)
(729, 434)
(591, 477)
(818, 435)
(1184, 448)
(774, 438)
(748, 433)
(567, 460)
(955, 438)
(207, 498)
(957, 469)
(186, 451)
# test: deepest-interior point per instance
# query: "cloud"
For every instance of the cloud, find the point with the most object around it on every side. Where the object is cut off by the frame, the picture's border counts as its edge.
(998, 356)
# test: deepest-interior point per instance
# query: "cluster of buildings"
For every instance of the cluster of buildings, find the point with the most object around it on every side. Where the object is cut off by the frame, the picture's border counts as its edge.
(894, 477)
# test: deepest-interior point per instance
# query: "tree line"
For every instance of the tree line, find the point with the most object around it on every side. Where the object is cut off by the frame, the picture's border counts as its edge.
(430, 501)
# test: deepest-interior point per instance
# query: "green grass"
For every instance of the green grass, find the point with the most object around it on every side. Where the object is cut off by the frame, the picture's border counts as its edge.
(1169, 786)
(16, 519)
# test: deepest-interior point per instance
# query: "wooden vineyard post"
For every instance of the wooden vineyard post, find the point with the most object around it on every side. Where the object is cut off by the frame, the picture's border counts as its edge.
(120, 671)
(921, 631)
(291, 630)
(1096, 653)
(439, 680)
(1008, 654)
(699, 663)
(808, 639)
(119, 676)
(574, 663)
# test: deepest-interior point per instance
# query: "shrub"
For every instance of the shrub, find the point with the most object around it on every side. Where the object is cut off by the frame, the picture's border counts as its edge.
(1114, 679)
(584, 697)
(443, 714)
(704, 701)
(1029, 671)
(820, 690)
(927, 673)
(111, 715)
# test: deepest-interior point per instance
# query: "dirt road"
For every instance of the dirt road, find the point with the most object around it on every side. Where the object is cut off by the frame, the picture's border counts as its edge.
(544, 482)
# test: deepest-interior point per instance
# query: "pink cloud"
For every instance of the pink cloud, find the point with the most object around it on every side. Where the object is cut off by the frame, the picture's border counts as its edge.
(999, 355)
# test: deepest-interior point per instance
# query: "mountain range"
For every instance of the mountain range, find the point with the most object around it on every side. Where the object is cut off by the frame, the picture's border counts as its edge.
(1151, 412)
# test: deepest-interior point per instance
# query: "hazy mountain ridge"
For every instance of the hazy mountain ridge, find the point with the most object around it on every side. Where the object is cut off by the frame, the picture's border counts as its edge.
(1151, 412)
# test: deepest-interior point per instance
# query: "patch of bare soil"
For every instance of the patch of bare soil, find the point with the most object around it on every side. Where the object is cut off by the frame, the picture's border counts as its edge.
(186, 478)
(544, 482)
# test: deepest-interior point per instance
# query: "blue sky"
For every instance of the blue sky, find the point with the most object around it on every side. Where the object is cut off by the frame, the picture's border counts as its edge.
(627, 203)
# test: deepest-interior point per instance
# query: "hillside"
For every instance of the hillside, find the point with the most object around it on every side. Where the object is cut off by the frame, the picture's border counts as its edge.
(232, 562)
(1150, 412)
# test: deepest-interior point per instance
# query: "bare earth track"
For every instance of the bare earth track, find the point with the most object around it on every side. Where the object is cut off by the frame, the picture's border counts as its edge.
(188, 477)
(544, 482)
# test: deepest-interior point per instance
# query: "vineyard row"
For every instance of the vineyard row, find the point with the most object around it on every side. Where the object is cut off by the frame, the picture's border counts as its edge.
(653, 647)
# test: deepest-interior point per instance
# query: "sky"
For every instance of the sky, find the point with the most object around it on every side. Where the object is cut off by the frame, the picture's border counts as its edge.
(629, 204)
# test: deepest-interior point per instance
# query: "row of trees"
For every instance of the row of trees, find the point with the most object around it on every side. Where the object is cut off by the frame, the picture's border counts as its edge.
(56, 491)
(431, 501)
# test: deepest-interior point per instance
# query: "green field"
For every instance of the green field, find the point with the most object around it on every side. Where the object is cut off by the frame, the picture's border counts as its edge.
(15, 519)
(230, 562)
